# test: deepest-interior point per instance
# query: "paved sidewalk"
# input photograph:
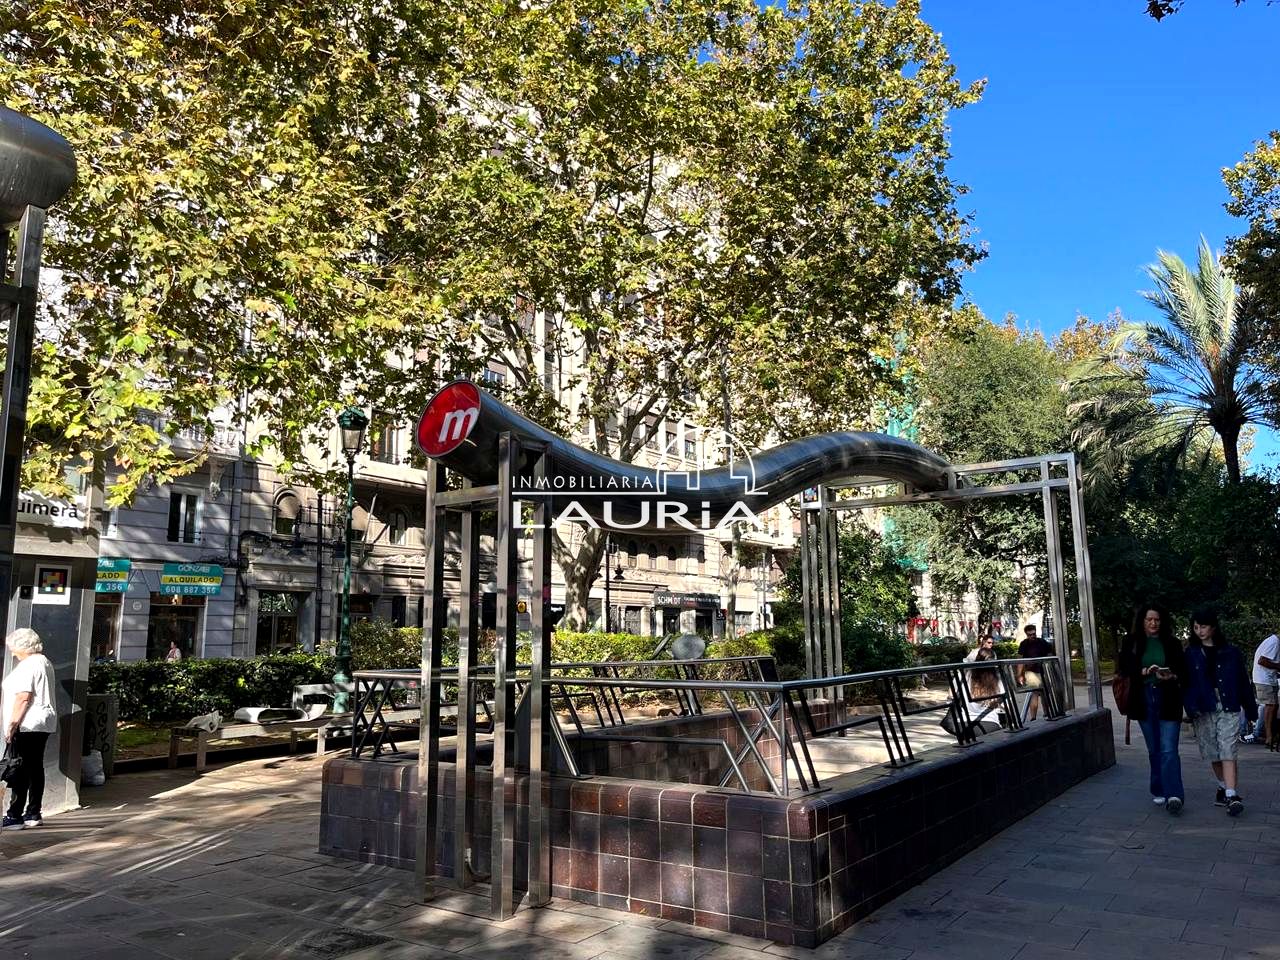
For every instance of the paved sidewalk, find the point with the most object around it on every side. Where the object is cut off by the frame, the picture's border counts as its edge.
(166, 864)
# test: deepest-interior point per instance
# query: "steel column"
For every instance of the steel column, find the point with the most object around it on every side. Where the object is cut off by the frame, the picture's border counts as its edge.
(1057, 590)
(540, 718)
(429, 724)
(502, 858)
(464, 776)
(1084, 585)
(835, 645)
(808, 590)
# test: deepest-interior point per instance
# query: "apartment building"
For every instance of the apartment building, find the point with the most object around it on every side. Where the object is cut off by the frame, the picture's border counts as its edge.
(236, 560)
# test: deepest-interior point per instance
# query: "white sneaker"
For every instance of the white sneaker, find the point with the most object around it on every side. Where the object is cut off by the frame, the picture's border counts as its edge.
(1158, 801)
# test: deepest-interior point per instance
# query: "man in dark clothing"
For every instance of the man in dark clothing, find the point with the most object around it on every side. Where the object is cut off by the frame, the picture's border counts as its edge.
(1032, 674)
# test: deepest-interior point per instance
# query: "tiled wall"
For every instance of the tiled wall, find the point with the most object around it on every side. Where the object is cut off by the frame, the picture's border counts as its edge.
(795, 871)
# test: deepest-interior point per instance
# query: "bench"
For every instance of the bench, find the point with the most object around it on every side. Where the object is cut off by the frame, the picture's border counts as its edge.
(305, 698)
(323, 726)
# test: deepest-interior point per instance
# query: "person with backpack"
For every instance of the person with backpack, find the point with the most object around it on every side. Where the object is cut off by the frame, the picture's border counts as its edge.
(1218, 687)
(1152, 661)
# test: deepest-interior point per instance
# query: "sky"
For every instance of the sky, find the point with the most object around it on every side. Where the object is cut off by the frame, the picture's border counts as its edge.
(1099, 140)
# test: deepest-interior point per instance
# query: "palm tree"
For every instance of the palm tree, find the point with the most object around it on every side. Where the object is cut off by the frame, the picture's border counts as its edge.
(1170, 386)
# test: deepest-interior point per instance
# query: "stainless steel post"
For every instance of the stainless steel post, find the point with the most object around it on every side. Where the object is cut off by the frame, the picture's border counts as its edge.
(502, 857)
(835, 640)
(540, 717)
(1084, 585)
(807, 589)
(1057, 590)
(429, 723)
(464, 776)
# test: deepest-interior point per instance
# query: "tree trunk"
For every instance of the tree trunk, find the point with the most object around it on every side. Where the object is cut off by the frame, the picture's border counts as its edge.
(730, 579)
(581, 568)
(1231, 452)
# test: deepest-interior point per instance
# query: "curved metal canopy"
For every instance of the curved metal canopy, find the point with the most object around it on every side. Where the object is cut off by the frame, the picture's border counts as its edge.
(37, 166)
(461, 425)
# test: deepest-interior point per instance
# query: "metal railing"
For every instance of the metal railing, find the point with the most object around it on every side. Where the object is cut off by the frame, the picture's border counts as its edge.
(774, 718)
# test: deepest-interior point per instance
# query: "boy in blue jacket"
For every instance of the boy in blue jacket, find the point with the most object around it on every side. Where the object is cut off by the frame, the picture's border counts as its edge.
(1217, 687)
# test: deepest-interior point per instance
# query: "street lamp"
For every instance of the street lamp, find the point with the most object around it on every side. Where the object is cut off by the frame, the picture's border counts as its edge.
(617, 575)
(351, 424)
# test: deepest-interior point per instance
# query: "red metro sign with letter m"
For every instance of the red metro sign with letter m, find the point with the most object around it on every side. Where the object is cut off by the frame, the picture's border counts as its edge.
(449, 418)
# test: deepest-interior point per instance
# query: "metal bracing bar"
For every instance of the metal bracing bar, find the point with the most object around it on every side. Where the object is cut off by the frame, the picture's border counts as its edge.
(502, 858)
(789, 709)
(1010, 689)
(464, 776)
(429, 724)
(1057, 589)
(540, 716)
(1017, 463)
(950, 496)
(1084, 585)
(807, 590)
(751, 744)
(468, 496)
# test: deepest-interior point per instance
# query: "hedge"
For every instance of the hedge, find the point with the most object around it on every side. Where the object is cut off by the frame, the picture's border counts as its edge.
(153, 691)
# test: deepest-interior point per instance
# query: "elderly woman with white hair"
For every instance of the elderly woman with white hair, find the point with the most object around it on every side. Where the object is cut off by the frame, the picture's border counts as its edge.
(27, 716)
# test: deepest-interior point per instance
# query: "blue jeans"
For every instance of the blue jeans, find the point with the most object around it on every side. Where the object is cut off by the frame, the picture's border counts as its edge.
(1162, 748)
(1257, 727)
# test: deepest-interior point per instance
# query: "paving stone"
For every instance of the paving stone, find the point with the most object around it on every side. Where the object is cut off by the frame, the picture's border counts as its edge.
(1123, 946)
(1047, 893)
(647, 943)
(980, 923)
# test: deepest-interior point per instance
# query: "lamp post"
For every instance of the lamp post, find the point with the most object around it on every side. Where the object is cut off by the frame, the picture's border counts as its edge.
(351, 424)
(617, 575)
(37, 168)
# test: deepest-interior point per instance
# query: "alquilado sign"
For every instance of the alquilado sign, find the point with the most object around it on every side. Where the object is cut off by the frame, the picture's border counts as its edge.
(191, 579)
(113, 575)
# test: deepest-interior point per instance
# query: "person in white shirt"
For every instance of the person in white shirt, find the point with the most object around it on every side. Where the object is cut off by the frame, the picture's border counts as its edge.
(27, 716)
(1266, 661)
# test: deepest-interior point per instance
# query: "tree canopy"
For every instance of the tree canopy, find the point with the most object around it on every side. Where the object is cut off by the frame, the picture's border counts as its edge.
(996, 396)
(700, 197)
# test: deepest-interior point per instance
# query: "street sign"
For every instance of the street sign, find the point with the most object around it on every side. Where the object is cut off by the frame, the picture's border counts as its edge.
(113, 575)
(191, 579)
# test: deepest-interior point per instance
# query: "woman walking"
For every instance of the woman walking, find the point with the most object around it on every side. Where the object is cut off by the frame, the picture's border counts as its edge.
(28, 715)
(1153, 661)
(1218, 687)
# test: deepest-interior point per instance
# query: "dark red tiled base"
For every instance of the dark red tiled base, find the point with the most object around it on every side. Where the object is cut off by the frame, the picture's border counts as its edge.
(794, 871)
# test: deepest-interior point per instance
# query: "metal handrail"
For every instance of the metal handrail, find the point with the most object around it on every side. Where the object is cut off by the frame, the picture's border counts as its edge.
(784, 712)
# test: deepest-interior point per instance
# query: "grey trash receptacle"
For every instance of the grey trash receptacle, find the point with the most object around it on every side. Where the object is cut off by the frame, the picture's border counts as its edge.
(101, 711)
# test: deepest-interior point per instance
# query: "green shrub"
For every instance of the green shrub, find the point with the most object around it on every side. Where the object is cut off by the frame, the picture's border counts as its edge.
(151, 691)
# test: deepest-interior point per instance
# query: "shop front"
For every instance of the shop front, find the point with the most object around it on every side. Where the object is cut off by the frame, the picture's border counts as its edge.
(677, 613)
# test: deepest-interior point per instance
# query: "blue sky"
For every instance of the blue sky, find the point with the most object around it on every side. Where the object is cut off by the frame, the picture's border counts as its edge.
(1101, 138)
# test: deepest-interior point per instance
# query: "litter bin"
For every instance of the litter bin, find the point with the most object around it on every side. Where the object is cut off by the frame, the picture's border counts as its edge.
(100, 712)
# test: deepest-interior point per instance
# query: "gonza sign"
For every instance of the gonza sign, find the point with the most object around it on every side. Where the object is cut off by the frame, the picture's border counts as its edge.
(191, 579)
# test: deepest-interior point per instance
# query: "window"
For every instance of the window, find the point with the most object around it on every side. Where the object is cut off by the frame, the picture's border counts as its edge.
(650, 432)
(672, 556)
(397, 529)
(631, 620)
(277, 622)
(673, 447)
(690, 450)
(384, 439)
(399, 609)
(633, 550)
(111, 524)
(652, 549)
(494, 378)
(288, 509)
(184, 518)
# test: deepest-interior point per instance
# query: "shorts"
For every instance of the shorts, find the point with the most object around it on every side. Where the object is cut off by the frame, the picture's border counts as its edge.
(1216, 735)
(1032, 679)
(1265, 693)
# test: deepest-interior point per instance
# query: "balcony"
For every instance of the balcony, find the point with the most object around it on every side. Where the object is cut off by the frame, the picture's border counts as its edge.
(218, 441)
